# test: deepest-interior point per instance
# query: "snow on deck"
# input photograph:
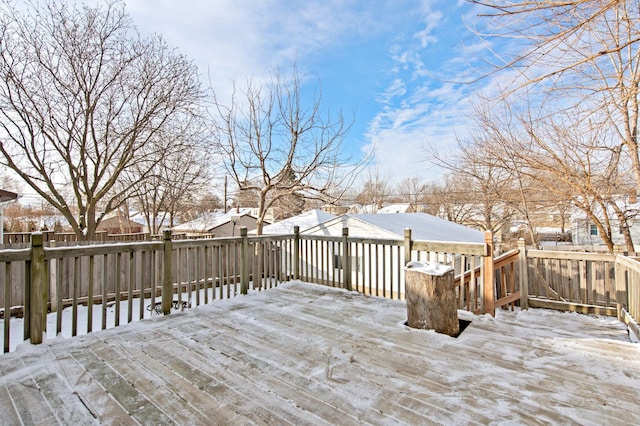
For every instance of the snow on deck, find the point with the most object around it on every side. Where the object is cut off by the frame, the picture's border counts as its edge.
(308, 354)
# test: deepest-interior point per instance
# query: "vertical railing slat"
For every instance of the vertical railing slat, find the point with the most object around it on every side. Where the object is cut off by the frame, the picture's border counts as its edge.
(6, 283)
(90, 291)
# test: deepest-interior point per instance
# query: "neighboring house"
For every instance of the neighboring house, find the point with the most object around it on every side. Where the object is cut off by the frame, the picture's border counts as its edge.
(403, 208)
(387, 208)
(335, 209)
(363, 209)
(253, 211)
(585, 233)
(163, 221)
(304, 221)
(390, 226)
(218, 224)
(119, 224)
(6, 198)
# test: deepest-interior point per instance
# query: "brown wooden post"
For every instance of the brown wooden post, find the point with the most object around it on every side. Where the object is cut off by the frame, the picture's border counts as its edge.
(37, 290)
(296, 252)
(167, 280)
(618, 250)
(523, 274)
(407, 246)
(431, 298)
(346, 259)
(488, 280)
(244, 261)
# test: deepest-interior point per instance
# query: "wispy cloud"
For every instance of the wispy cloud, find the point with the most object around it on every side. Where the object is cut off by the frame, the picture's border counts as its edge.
(411, 47)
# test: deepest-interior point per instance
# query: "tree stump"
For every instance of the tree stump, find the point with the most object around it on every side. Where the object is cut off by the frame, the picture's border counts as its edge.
(431, 298)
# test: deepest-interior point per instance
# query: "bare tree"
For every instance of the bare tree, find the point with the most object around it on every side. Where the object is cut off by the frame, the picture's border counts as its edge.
(567, 158)
(581, 54)
(83, 98)
(375, 191)
(411, 190)
(279, 144)
(197, 204)
(450, 199)
(176, 177)
(484, 182)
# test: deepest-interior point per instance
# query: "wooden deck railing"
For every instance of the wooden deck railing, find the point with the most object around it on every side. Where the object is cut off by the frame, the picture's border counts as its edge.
(583, 282)
(627, 272)
(102, 286)
(376, 266)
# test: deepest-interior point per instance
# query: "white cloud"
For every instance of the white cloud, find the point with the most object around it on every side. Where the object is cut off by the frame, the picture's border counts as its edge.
(432, 20)
(238, 39)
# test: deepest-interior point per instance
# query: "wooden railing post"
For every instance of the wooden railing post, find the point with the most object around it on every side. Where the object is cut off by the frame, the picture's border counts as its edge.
(407, 246)
(488, 278)
(244, 261)
(296, 252)
(523, 274)
(37, 290)
(346, 259)
(620, 281)
(167, 267)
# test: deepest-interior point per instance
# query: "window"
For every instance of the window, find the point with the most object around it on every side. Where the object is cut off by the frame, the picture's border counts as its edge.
(337, 261)
(593, 230)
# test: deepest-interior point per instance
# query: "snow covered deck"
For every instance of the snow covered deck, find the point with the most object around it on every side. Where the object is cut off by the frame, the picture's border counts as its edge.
(307, 354)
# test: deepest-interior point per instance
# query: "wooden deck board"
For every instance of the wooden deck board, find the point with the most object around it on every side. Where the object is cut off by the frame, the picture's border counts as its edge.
(306, 354)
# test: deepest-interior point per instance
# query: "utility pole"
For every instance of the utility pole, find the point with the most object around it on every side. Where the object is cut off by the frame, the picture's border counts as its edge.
(225, 194)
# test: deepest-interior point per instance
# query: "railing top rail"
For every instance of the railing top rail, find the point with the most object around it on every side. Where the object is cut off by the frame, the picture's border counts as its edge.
(261, 238)
(629, 262)
(506, 258)
(320, 237)
(386, 242)
(100, 249)
(477, 249)
(15, 255)
(191, 243)
(566, 255)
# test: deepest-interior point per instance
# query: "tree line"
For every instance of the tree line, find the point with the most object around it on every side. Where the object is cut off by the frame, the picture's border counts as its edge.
(96, 117)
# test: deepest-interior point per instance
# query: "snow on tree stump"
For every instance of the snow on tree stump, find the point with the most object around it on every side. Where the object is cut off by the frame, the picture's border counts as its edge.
(431, 297)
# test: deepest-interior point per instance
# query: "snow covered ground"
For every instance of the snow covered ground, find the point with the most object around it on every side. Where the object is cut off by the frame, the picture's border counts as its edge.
(308, 354)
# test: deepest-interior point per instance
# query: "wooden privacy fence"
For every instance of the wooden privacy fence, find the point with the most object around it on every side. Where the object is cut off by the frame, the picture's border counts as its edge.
(108, 284)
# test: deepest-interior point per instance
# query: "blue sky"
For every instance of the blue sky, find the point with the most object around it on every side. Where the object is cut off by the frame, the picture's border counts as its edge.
(392, 64)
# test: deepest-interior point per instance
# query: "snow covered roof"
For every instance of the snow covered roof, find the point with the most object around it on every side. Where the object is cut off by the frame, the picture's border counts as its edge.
(395, 208)
(423, 227)
(209, 221)
(304, 220)
(8, 195)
